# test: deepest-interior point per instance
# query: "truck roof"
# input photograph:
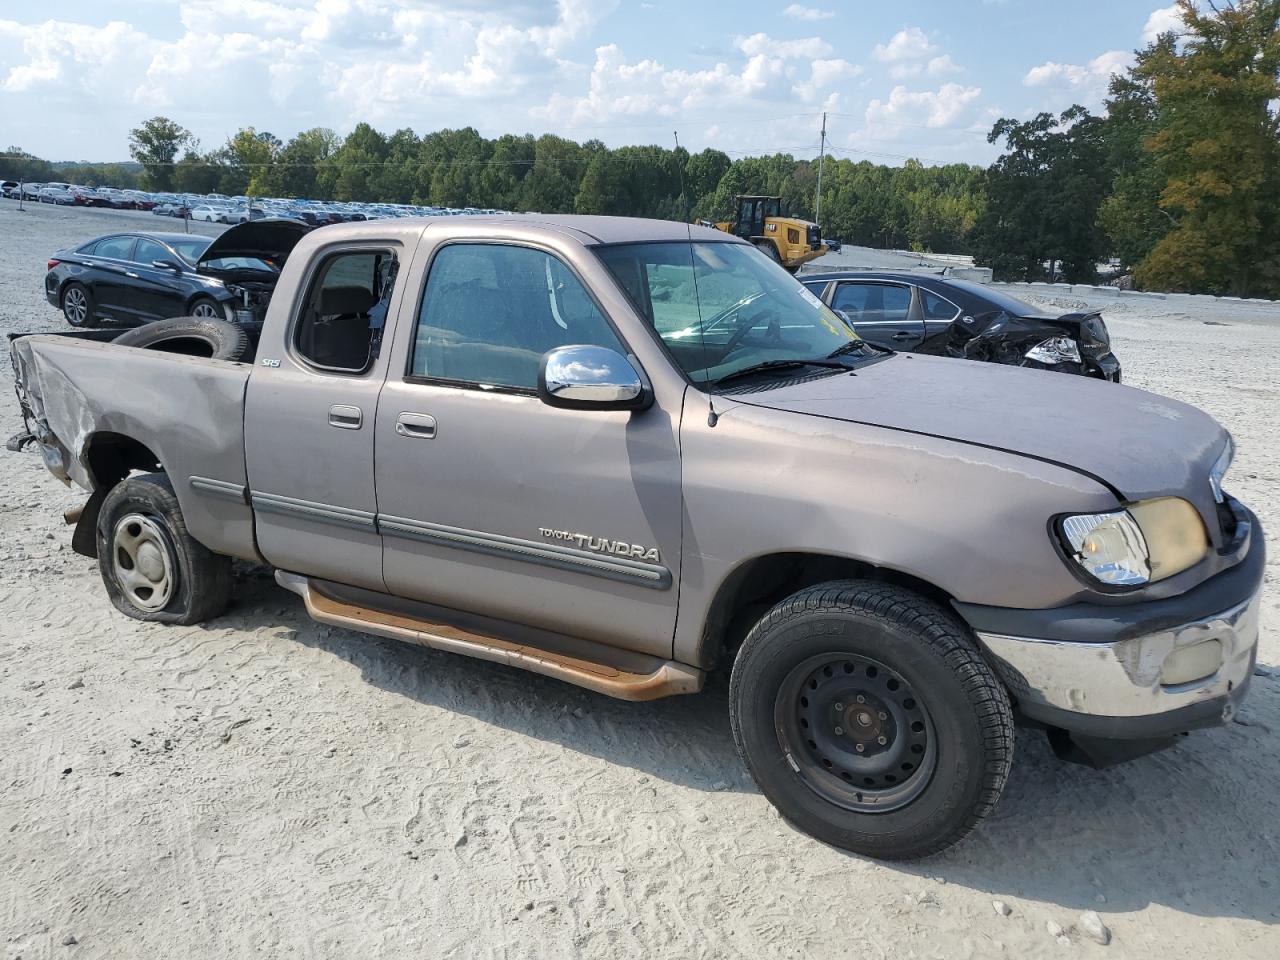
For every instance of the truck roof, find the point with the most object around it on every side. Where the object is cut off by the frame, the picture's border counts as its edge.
(589, 230)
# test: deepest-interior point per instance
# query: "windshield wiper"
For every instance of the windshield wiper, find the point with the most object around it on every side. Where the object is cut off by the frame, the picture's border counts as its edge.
(768, 365)
(860, 345)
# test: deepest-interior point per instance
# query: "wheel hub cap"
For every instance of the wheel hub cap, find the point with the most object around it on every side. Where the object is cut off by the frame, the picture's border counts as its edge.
(143, 562)
(855, 732)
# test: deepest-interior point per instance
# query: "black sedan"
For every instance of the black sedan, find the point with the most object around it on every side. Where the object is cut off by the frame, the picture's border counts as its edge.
(926, 313)
(126, 279)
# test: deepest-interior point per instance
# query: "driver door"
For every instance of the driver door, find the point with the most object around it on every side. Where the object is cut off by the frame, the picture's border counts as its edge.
(494, 503)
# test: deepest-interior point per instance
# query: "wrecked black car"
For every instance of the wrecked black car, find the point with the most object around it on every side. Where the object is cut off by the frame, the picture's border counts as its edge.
(926, 313)
(127, 279)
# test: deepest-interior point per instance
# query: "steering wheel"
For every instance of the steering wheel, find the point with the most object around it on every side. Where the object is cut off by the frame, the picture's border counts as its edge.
(774, 331)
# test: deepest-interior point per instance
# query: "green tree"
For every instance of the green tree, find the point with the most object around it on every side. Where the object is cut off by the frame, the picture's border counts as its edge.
(17, 164)
(297, 164)
(156, 145)
(1217, 149)
(1043, 197)
(251, 154)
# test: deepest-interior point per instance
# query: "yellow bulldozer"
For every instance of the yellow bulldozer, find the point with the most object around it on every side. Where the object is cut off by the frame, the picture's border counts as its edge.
(788, 240)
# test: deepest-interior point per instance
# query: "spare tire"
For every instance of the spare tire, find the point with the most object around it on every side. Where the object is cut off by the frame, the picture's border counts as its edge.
(190, 336)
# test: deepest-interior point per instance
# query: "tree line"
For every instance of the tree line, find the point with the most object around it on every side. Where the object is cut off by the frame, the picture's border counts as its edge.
(1179, 178)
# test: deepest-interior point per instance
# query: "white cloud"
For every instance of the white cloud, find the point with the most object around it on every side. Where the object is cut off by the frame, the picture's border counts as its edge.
(823, 73)
(797, 12)
(1165, 20)
(1084, 82)
(63, 57)
(945, 107)
(908, 44)
(760, 43)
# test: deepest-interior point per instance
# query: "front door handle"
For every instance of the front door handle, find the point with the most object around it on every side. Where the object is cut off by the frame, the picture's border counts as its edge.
(345, 417)
(416, 426)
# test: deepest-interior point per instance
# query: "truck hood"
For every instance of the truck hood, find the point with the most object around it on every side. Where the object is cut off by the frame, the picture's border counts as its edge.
(268, 239)
(1139, 444)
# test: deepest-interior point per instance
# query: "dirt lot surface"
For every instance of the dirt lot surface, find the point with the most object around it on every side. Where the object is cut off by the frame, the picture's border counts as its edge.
(264, 786)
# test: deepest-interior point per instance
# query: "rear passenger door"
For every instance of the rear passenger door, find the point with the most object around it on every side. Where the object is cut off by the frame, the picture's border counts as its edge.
(490, 501)
(309, 418)
(882, 312)
(112, 264)
(938, 313)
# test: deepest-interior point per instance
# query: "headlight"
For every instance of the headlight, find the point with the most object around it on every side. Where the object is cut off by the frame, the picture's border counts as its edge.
(1220, 468)
(1109, 546)
(1150, 541)
(1055, 350)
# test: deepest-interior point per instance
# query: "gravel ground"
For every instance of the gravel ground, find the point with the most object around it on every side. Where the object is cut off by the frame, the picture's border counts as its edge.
(265, 786)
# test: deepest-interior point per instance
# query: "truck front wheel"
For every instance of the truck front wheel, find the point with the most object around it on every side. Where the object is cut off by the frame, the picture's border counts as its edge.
(152, 567)
(867, 717)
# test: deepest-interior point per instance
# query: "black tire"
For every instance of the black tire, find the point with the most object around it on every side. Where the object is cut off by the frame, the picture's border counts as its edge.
(770, 250)
(928, 788)
(192, 336)
(141, 533)
(77, 305)
(206, 308)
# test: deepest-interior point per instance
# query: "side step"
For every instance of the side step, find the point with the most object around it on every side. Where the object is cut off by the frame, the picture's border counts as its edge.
(595, 666)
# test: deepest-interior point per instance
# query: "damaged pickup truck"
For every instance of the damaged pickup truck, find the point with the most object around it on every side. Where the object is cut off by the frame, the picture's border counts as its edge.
(621, 453)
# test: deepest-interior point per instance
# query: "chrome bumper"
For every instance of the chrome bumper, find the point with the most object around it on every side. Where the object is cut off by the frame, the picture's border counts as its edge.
(1127, 679)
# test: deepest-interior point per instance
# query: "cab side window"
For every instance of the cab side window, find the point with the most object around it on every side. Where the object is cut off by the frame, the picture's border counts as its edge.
(490, 311)
(340, 326)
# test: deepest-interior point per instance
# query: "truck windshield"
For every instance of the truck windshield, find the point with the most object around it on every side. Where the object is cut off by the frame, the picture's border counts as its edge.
(721, 308)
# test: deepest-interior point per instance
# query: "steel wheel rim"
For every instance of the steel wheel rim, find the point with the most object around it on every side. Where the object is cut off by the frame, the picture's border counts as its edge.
(143, 560)
(75, 306)
(890, 722)
(205, 311)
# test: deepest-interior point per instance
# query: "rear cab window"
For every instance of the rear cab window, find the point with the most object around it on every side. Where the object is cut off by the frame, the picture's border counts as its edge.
(340, 324)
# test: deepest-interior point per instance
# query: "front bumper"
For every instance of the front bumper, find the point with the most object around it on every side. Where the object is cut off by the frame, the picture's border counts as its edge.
(1139, 671)
(1118, 690)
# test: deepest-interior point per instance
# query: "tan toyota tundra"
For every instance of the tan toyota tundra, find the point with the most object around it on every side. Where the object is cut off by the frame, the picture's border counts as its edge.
(628, 453)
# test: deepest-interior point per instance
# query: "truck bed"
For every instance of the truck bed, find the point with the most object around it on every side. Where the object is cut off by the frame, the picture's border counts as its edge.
(81, 394)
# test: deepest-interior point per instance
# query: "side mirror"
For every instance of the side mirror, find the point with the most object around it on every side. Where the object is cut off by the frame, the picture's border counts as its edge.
(166, 265)
(843, 316)
(590, 378)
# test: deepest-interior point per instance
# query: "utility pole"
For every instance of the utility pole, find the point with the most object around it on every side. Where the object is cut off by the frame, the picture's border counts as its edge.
(822, 155)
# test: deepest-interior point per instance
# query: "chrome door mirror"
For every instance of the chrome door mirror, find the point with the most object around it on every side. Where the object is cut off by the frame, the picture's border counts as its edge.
(590, 378)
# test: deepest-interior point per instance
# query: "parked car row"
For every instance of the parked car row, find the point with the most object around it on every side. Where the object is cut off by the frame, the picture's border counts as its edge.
(219, 208)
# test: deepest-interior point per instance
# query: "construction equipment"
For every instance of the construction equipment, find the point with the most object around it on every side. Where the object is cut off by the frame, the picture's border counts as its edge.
(788, 240)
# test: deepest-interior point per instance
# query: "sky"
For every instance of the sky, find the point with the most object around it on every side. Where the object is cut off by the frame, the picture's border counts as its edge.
(924, 79)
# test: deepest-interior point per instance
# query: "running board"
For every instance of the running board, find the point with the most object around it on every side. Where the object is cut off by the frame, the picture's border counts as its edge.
(644, 677)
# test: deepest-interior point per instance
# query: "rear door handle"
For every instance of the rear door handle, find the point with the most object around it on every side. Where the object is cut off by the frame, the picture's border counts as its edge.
(345, 417)
(416, 426)
(904, 335)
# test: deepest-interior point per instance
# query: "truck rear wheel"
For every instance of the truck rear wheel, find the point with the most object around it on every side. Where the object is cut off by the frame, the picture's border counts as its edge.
(867, 717)
(152, 567)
